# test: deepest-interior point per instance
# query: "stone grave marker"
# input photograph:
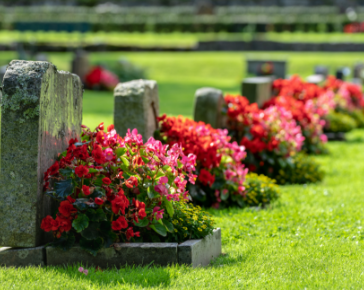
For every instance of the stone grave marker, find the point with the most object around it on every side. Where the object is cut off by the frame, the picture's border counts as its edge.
(41, 111)
(136, 105)
(81, 64)
(267, 67)
(315, 79)
(257, 90)
(321, 70)
(208, 107)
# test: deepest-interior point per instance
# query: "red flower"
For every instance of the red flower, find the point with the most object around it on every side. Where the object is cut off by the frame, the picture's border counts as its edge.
(206, 178)
(141, 213)
(64, 224)
(47, 224)
(110, 128)
(121, 192)
(53, 170)
(130, 233)
(120, 203)
(132, 181)
(99, 201)
(66, 208)
(98, 155)
(100, 137)
(86, 190)
(81, 171)
(106, 180)
(119, 224)
(70, 199)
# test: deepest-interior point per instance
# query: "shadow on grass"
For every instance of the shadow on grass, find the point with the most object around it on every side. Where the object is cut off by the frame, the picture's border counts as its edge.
(142, 276)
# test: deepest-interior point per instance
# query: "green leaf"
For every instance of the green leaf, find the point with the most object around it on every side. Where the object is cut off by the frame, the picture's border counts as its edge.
(169, 206)
(92, 246)
(93, 170)
(80, 205)
(64, 188)
(180, 164)
(224, 196)
(167, 168)
(80, 223)
(160, 174)
(168, 225)
(91, 232)
(98, 181)
(98, 192)
(120, 151)
(152, 193)
(142, 152)
(97, 215)
(66, 172)
(159, 229)
(142, 223)
(125, 161)
(145, 159)
(66, 241)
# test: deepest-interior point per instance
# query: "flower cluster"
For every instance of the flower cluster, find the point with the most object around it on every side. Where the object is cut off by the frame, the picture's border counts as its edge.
(219, 162)
(114, 189)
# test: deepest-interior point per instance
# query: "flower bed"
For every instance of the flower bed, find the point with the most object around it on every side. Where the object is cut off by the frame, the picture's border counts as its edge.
(271, 135)
(220, 171)
(114, 189)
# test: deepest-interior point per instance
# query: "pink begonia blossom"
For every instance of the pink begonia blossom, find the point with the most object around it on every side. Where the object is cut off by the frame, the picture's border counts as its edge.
(158, 212)
(162, 189)
(133, 137)
(80, 269)
(109, 154)
(85, 272)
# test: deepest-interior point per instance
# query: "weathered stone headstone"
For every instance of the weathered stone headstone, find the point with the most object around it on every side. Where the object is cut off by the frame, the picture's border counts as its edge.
(358, 71)
(41, 111)
(136, 105)
(81, 64)
(267, 67)
(339, 74)
(208, 107)
(2, 73)
(321, 70)
(257, 90)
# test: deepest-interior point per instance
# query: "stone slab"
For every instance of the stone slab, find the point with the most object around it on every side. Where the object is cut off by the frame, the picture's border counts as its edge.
(200, 252)
(257, 89)
(143, 254)
(136, 105)
(22, 257)
(208, 107)
(193, 252)
(41, 111)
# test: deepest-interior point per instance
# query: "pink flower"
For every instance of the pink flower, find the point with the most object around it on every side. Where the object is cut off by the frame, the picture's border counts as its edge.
(85, 272)
(163, 180)
(159, 213)
(160, 188)
(80, 269)
(109, 154)
(134, 137)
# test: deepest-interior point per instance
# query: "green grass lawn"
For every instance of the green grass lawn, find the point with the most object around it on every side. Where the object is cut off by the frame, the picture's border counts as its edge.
(312, 238)
(176, 39)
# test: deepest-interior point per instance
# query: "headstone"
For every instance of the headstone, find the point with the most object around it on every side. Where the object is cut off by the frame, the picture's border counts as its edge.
(315, 79)
(204, 7)
(208, 107)
(267, 67)
(2, 73)
(41, 57)
(257, 90)
(136, 105)
(321, 70)
(81, 64)
(41, 111)
(340, 74)
(358, 71)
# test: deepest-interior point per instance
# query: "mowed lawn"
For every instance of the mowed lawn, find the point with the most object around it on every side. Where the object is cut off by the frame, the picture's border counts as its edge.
(312, 238)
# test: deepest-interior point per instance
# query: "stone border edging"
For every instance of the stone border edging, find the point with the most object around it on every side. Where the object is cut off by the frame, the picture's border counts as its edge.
(192, 252)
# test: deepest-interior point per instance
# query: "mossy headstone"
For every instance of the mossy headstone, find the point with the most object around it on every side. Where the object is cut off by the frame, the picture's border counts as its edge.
(208, 107)
(41, 111)
(136, 105)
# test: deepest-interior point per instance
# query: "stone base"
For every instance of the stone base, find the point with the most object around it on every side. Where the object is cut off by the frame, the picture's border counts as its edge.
(193, 252)
(22, 257)
(335, 136)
